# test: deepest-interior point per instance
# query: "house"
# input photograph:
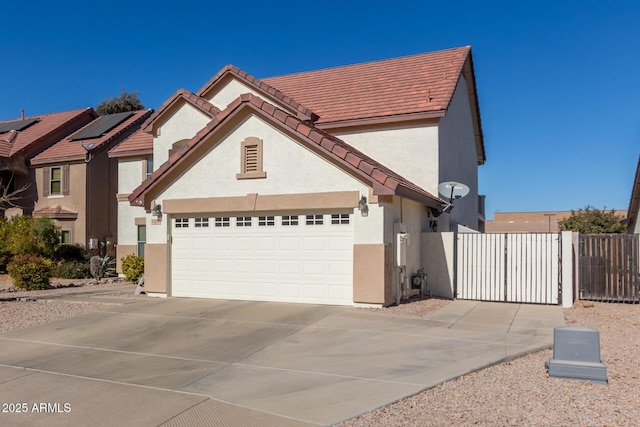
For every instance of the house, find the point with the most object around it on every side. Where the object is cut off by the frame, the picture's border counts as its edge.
(529, 222)
(76, 179)
(633, 227)
(23, 138)
(312, 187)
(69, 175)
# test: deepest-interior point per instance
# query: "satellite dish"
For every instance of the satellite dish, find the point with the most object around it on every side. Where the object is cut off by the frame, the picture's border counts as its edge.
(453, 190)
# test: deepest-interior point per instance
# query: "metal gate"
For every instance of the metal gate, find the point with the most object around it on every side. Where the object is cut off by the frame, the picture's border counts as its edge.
(609, 267)
(509, 267)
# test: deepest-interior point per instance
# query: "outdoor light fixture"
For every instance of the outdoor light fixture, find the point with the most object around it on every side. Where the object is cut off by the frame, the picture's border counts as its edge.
(363, 207)
(157, 211)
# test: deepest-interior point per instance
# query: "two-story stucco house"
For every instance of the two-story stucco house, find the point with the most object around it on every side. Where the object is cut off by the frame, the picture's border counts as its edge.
(312, 187)
(62, 160)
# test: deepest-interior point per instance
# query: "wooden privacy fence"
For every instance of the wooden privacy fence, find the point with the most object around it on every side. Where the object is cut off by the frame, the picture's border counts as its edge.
(509, 267)
(609, 267)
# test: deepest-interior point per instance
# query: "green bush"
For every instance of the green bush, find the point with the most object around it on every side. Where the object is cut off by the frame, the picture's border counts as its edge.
(132, 267)
(71, 270)
(30, 272)
(5, 254)
(72, 253)
(32, 236)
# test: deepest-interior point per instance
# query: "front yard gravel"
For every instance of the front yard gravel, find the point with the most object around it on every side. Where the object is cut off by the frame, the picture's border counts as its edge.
(515, 393)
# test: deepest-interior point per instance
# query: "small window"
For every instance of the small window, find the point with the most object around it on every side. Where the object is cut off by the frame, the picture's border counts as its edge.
(266, 221)
(201, 223)
(289, 219)
(314, 220)
(222, 221)
(149, 166)
(340, 219)
(65, 237)
(55, 185)
(142, 239)
(243, 221)
(182, 222)
(251, 159)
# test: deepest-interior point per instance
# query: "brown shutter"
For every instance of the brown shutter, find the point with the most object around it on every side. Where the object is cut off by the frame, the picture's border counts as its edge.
(46, 180)
(65, 180)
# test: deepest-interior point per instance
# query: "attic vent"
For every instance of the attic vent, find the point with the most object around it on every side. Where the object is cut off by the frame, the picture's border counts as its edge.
(251, 159)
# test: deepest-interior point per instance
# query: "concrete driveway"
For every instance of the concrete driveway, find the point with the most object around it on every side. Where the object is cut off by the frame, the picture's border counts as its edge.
(171, 362)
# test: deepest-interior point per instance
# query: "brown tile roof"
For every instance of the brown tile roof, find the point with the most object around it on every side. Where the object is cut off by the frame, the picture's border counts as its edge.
(68, 150)
(383, 180)
(266, 90)
(140, 143)
(46, 129)
(185, 95)
(56, 212)
(407, 85)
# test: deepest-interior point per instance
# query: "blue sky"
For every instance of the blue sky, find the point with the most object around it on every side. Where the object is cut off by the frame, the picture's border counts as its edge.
(557, 80)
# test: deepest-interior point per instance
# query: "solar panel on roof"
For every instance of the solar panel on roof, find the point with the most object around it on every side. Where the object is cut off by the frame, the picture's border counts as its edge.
(101, 125)
(16, 125)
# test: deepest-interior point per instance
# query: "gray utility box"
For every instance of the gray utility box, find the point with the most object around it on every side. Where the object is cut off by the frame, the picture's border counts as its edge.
(576, 355)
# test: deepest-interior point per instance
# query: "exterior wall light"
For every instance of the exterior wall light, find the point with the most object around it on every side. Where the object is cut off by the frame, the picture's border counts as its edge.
(363, 207)
(157, 211)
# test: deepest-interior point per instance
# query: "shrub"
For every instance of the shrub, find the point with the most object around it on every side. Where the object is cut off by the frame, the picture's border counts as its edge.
(132, 267)
(32, 236)
(71, 253)
(30, 272)
(71, 270)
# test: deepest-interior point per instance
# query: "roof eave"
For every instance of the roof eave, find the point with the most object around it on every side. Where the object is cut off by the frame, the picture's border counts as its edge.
(370, 121)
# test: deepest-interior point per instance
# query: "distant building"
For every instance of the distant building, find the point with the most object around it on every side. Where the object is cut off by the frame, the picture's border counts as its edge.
(529, 222)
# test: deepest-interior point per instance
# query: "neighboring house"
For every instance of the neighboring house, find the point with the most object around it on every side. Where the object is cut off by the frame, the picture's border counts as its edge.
(76, 180)
(633, 227)
(529, 222)
(22, 139)
(313, 187)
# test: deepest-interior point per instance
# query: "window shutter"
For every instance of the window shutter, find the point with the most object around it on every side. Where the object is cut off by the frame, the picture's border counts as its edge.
(46, 180)
(251, 158)
(65, 180)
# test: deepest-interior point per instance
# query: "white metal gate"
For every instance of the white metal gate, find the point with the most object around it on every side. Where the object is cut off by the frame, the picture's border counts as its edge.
(509, 267)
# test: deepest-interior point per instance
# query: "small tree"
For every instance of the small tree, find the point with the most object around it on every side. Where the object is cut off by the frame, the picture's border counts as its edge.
(127, 101)
(592, 221)
(32, 236)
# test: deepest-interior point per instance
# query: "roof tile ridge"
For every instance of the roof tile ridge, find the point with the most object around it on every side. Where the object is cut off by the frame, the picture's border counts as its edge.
(39, 116)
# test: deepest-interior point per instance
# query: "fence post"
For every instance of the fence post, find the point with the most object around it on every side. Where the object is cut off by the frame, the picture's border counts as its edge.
(567, 269)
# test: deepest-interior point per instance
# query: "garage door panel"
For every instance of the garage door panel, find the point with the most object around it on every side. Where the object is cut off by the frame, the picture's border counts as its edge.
(274, 262)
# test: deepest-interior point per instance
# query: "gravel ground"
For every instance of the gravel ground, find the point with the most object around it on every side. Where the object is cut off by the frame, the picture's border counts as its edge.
(517, 393)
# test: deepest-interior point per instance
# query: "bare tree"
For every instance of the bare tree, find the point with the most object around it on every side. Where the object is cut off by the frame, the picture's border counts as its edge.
(8, 197)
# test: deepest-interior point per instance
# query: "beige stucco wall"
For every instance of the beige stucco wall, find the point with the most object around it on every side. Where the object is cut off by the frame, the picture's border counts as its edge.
(458, 158)
(411, 151)
(155, 271)
(130, 175)
(438, 261)
(227, 92)
(182, 122)
(76, 200)
(373, 274)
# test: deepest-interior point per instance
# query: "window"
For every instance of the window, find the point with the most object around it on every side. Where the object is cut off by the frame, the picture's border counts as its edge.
(243, 221)
(222, 221)
(65, 237)
(289, 219)
(142, 239)
(182, 222)
(201, 223)
(148, 167)
(314, 220)
(251, 159)
(340, 219)
(266, 221)
(56, 180)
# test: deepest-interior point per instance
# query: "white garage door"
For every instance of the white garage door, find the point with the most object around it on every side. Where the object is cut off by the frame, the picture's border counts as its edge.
(292, 258)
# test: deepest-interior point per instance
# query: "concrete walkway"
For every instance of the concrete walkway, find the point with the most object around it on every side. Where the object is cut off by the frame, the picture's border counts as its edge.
(175, 362)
